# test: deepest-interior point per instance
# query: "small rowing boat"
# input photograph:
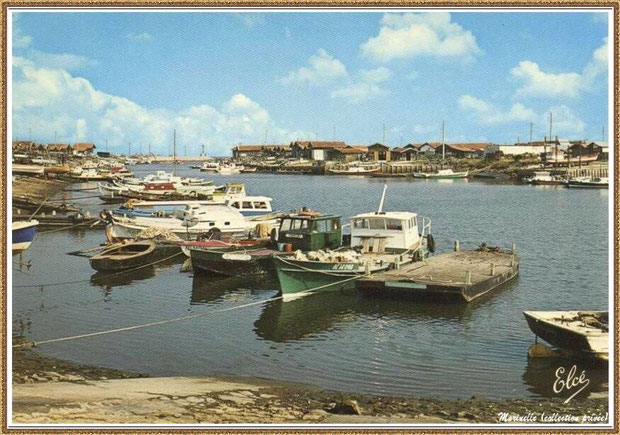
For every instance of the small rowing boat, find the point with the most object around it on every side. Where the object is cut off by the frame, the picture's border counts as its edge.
(580, 332)
(124, 257)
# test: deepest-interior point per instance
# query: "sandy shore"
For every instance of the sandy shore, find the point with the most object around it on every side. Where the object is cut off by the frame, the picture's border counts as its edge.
(48, 390)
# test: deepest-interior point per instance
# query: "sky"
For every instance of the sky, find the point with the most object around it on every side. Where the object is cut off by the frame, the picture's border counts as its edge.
(226, 78)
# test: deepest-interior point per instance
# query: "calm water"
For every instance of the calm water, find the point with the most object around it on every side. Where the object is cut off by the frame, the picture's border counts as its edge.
(339, 342)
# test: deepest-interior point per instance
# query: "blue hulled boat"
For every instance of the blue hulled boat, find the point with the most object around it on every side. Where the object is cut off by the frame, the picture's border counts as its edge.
(22, 235)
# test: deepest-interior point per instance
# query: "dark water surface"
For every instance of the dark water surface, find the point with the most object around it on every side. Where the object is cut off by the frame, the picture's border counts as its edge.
(341, 342)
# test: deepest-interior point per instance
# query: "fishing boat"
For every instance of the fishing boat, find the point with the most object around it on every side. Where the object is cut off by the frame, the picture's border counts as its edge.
(579, 332)
(249, 170)
(562, 158)
(441, 174)
(379, 241)
(544, 178)
(126, 256)
(89, 174)
(22, 235)
(303, 231)
(588, 183)
(209, 167)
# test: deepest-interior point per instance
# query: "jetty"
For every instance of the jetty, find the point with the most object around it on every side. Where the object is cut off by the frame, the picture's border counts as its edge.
(455, 276)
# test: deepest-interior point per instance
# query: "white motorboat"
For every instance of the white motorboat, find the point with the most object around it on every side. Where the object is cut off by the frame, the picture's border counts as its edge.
(588, 183)
(544, 178)
(197, 221)
(441, 174)
(229, 169)
(579, 332)
(22, 235)
(210, 167)
(355, 170)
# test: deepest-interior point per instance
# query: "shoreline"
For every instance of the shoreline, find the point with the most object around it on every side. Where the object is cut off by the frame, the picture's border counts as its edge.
(50, 390)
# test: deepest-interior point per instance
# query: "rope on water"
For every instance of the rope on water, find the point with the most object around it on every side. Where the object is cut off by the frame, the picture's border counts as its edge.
(178, 319)
(69, 227)
(103, 276)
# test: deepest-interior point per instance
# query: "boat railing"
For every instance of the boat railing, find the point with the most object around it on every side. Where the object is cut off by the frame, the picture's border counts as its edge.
(426, 226)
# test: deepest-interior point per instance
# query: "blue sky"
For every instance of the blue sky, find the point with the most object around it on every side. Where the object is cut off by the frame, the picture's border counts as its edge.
(227, 78)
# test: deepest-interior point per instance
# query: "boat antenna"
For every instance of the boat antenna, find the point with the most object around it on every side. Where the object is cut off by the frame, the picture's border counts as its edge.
(382, 200)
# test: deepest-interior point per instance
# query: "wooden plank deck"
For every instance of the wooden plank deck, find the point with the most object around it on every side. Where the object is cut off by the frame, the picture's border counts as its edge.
(461, 275)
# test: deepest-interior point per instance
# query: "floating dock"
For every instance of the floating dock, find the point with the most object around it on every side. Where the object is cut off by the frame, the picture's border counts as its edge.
(461, 276)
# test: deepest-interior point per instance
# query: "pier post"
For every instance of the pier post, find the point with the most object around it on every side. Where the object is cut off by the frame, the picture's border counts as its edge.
(397, 262)
(514, 248)
(468, 277)
(457, 246)
(367, 268)
(492, 269)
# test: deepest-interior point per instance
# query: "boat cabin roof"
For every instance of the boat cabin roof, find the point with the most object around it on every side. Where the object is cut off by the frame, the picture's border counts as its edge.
(400, 215)
(310, 217)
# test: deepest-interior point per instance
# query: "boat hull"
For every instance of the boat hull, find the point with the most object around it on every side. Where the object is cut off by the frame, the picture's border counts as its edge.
(231, 262)
(22, 235)
(561, 335)
(586, 185)
(441, 177)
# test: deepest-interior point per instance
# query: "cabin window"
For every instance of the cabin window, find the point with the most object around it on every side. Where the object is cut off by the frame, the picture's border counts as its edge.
(360, 223)
(377, 224)
(247, 204)
(321, 226)
(335, 224)
(260, 205)
(415, 222)
(285, 225)
(211, 224)
(299, 224)
(394, 224)
(235, 204)
(226, 223)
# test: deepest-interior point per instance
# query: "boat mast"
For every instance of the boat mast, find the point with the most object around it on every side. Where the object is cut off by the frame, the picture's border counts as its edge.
(174, 152)
(443, 142)
(382, 200)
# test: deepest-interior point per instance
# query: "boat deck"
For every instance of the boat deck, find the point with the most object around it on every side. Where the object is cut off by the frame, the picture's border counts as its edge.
(461, 275)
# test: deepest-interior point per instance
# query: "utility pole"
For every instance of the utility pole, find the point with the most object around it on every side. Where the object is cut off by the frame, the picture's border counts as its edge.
(149, 148)
(129, 154)
(383, 142)
(174, 152)
(203, 150)
(443, 141)
(30, 135)
(550, 125)
(140, 148)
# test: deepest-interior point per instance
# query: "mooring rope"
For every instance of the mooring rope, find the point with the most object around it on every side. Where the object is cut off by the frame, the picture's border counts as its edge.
(178, 319)
(90, 222)
(103, 276)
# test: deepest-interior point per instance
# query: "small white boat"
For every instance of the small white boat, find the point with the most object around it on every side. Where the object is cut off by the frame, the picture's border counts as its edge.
(441, 174)
(544, 178)
(579, 332)
(22, 235)
(230, 169)
(210, 167)
(588, 183)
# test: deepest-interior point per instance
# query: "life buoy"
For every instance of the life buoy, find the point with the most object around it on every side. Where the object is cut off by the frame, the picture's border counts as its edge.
(430, 241)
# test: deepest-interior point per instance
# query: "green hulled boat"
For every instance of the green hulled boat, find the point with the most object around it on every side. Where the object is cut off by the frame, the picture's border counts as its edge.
(379, 241)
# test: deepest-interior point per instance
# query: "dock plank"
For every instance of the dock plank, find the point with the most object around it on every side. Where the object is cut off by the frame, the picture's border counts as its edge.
(463, 275)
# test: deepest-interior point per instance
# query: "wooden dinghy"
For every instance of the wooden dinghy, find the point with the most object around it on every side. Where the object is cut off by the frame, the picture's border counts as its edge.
(124, 257)
(579, 332)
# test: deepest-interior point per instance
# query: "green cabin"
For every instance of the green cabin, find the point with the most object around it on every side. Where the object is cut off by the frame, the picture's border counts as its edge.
(310, 232)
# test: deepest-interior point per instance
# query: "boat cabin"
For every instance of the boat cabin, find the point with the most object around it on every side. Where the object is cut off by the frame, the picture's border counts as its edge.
(251, 205)
(376, 232)
(310, 232)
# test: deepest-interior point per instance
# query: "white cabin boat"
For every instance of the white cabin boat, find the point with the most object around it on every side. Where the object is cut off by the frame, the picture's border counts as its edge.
(229, 169)
(588, 183)
(197, 221)
(543, 178)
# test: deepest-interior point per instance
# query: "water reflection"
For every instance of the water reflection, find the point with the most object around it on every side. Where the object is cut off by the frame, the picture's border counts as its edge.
(109, 280)
(208, 289)
(294, 320)
(540, 375)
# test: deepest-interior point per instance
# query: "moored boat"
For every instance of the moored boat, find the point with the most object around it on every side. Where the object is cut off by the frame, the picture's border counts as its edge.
(22, 235)
(379, 241)
(126, 256)
(544, 178)
(355, 170)
(584, 333)
(588, 183)
(441, 174)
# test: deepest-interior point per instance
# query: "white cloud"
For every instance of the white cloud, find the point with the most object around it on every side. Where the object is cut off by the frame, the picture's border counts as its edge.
(250, 19)
(564, 120)
(537, 83)
(410, 35)
(66, 61)
(365, 87)
(52, 100)
(140, 37)
(323, 69)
